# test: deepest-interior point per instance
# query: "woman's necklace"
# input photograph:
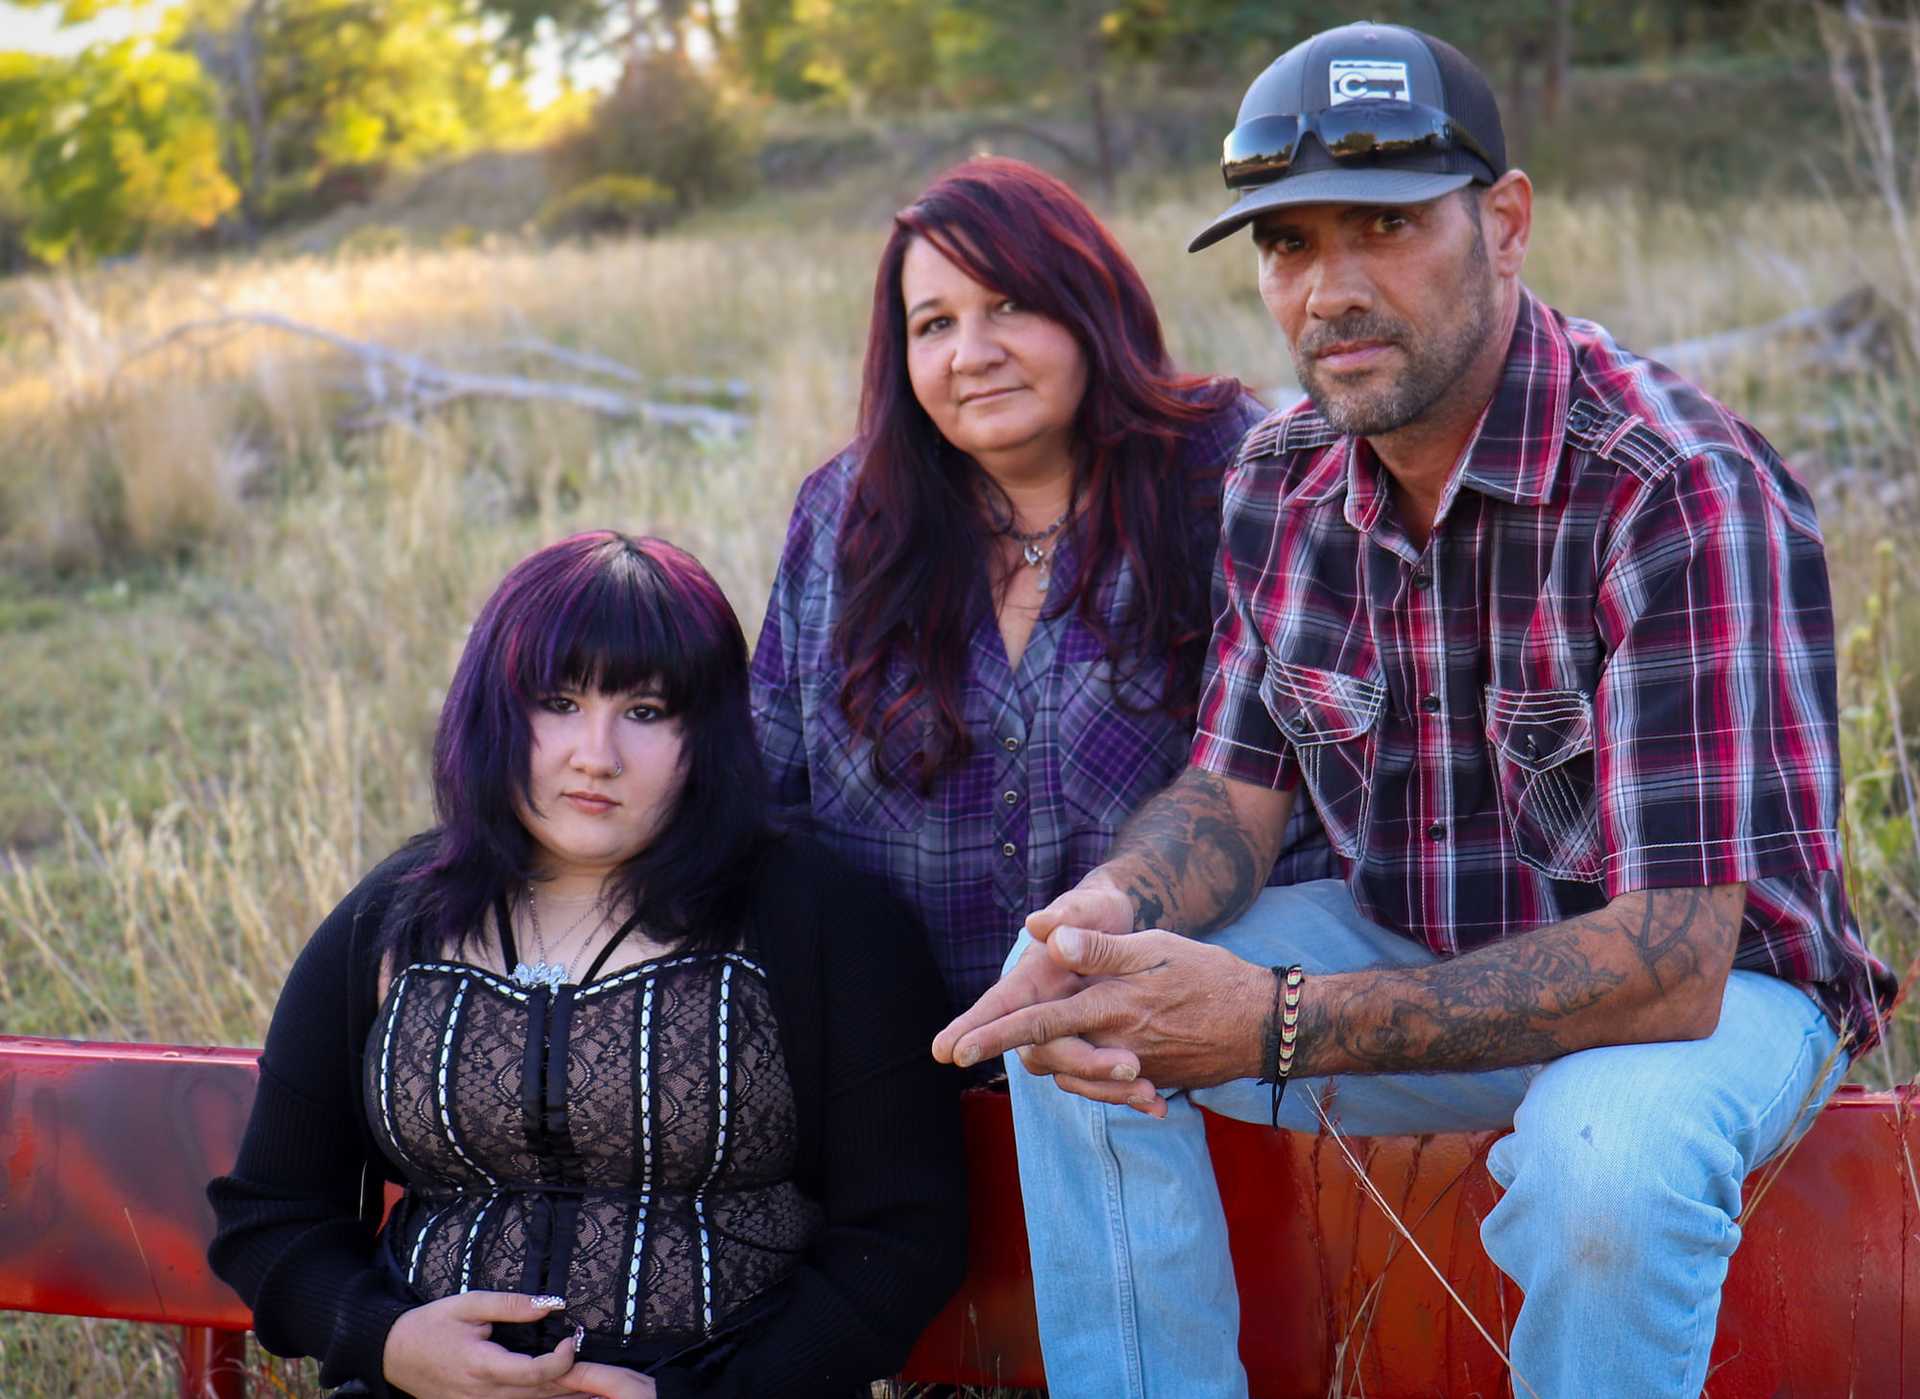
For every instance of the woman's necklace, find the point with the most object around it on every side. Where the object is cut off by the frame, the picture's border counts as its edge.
(1035, 549)
(541, 972)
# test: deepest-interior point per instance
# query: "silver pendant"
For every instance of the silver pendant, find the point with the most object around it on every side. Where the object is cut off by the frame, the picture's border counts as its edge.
(532, 974)
(1033, 554)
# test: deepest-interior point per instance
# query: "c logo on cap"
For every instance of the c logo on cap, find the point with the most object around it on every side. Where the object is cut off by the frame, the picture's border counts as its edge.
(1367, 80)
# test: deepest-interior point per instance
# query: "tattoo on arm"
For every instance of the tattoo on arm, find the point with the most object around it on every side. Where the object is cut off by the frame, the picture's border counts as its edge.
(1185, 860)
(1535, 997)
(1664, 935)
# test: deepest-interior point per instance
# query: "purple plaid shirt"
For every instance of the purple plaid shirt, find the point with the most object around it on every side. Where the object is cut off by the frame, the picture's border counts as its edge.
(1611, 667)
(1058, 762)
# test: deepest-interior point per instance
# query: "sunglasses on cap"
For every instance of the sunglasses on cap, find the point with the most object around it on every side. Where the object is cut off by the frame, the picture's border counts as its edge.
(1260, 151)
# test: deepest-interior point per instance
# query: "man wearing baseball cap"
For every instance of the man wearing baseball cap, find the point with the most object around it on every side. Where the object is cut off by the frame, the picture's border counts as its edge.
(1544, 634)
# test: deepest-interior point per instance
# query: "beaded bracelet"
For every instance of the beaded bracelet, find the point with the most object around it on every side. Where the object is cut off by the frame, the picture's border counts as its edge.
(1282, 1031)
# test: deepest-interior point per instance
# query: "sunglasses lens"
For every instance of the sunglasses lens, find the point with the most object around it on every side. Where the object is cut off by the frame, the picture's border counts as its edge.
(1259, 151)
(1383, 131)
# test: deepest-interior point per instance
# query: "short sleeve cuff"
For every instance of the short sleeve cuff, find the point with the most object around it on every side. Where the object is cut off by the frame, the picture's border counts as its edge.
(1739, 860)
(1244, 762)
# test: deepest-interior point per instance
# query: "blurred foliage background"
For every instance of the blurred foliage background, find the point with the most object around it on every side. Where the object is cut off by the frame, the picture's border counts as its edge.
(223, 121)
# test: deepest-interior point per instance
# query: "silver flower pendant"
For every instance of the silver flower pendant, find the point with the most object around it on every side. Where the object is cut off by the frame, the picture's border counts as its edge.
(532, 974)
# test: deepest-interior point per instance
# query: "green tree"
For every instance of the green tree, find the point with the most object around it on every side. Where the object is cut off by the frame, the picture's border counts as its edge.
(672, 123)
(116, 144)
(628, 29)
(852, 53)
(309, 88)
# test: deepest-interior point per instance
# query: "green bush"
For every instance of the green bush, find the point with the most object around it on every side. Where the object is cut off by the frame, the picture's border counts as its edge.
(610, 205)
(672, 124)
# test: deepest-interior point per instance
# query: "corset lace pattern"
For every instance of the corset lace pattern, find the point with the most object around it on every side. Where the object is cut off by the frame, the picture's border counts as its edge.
(628, 1145)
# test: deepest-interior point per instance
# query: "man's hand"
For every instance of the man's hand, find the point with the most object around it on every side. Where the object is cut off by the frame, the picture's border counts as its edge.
(1189, 1014)
(1096, 902)
(441, 1351)
(1039, 978)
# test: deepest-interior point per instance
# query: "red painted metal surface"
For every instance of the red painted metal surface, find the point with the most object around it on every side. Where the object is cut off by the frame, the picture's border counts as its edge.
(1822, 1299)
(105, 1154)
(105, 1151)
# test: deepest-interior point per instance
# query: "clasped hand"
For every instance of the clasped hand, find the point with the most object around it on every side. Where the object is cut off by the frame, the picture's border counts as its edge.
(1114, 1015)
(441, 1351)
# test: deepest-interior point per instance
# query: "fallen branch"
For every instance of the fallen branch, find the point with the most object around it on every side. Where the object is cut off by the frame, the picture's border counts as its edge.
(402, 386)
(1853, 333)
(679, 385)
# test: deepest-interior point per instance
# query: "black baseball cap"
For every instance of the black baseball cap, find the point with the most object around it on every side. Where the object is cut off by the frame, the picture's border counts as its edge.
(1422, 120)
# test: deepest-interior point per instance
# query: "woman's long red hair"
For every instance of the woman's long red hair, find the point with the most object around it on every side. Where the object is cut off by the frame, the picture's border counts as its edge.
(913, 550)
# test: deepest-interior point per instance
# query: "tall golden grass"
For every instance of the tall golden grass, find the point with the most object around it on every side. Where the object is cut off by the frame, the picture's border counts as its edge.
(328, 577)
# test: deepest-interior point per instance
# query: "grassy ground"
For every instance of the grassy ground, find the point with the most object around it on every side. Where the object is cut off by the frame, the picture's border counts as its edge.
(225, 625)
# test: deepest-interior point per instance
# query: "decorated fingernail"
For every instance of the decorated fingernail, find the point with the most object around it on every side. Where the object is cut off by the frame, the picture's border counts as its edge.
(547, 1302)
(579, 1338)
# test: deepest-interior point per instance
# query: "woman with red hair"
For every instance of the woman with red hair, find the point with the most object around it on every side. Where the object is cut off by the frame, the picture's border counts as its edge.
(984, 641)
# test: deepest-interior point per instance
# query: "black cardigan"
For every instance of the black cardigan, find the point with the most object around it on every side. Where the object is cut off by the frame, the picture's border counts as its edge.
(857, 1000)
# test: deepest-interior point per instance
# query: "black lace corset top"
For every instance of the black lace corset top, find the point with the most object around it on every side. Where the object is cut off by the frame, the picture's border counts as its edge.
(628, 1144)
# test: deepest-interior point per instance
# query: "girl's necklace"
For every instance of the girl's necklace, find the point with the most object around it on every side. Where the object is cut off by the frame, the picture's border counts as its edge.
(541, 972)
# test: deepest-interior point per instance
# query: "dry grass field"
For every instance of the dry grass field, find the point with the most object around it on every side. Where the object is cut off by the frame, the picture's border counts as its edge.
(226, 623)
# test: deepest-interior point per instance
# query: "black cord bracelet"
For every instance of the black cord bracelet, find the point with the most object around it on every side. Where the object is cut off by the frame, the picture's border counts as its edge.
(1281, 1032)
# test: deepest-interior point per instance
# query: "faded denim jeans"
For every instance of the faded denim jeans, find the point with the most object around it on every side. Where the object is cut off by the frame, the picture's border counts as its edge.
(1621, 1182)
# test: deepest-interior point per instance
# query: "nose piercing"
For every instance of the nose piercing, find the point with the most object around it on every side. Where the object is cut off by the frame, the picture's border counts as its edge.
(618, 767)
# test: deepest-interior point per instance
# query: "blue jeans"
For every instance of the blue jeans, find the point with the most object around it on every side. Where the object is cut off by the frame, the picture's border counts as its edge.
(1622, 1182)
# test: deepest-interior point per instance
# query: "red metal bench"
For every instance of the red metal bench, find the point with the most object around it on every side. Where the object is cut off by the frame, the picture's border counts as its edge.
(107, 1149)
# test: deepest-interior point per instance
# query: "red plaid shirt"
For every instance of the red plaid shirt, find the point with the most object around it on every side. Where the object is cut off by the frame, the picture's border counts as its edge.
(1610, 669)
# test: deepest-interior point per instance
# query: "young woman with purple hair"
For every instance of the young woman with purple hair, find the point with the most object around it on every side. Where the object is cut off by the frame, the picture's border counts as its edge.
(652, 1075)
(984, 641)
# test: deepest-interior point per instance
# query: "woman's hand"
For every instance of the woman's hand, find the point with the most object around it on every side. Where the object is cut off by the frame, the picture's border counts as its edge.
(441, 1351)
(608, 1382)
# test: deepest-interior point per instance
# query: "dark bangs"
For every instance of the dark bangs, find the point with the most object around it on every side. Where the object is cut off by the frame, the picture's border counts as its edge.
(611, 626)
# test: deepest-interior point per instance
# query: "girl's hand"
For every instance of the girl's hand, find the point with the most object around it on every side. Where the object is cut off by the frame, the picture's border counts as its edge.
(441, 1351)
(609, 1381)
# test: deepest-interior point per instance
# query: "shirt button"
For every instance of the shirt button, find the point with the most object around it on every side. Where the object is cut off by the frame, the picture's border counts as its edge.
(1010, 798)
(1437, 831)
(1010, 743)
(1430, 703)
(1009, 850)
(1422, 579)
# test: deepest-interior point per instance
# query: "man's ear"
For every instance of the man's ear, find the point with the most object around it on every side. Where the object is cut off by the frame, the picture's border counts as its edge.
(1506, 221)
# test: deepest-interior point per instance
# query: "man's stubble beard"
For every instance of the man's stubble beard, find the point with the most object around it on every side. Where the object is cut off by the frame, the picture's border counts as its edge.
(1431, 370)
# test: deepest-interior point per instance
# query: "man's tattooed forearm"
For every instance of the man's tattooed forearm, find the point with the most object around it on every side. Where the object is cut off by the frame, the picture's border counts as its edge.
(1480, 1011)
(1521, 1001)
(1232, 872)
(1186, 862)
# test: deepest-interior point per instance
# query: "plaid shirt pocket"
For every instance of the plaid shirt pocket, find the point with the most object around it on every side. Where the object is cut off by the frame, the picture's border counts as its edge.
(1331, 723)
(1542, 742)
